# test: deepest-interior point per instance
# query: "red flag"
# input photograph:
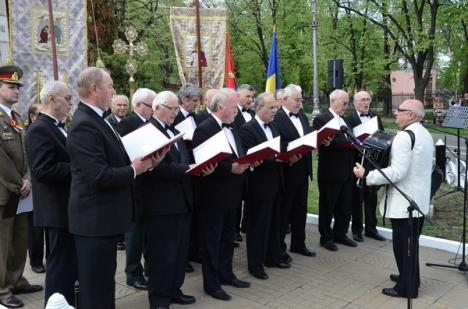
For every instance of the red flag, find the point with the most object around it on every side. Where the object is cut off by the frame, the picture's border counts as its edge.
(230, 69)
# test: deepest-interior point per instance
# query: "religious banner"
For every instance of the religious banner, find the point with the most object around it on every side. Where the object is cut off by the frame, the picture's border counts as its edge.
(212, 45)
(4, 37)
(32, 49)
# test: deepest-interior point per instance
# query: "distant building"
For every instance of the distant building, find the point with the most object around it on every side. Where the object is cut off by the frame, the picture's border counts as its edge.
(402, 83)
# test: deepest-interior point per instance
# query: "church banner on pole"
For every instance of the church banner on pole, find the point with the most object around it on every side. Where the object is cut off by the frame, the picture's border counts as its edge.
(213, 45)
(31, 44)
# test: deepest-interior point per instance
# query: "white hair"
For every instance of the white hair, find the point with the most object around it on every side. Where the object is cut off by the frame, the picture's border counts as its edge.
(221, 98)
(337, 94)
(120, 96)
(141, 95)
(51, 87)
(163, 97)
(288, 90)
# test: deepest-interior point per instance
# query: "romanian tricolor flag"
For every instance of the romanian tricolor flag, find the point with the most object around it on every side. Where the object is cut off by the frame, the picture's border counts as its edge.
(273, 75)
(230, 69)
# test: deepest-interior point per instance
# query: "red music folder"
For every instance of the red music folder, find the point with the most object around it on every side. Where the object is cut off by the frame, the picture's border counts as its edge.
(211, 151)
(329, 129)
(146, 141)
(261, 152)
(364, 130)
(299, 146)
(187, 126)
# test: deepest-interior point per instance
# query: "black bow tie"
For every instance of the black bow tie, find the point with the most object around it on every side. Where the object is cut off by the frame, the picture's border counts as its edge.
(226, 125)
(364, 115)
(292, 114)
(245, 110)
(168, 128)
(61, 125)
(267, 125)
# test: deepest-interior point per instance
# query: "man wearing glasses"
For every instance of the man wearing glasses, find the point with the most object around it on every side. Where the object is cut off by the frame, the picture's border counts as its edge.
(142, 101)
(367, 195)
(409, 169)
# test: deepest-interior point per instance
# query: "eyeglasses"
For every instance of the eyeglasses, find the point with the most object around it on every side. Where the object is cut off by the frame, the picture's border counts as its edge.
(399, 110)
(147, 105)
(297, 100)
(67, 97)
(172, 109)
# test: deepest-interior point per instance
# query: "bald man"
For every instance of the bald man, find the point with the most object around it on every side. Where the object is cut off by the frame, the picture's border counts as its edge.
(411, 155)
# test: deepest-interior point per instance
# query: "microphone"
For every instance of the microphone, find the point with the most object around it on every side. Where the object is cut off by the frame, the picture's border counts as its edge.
(344, 129)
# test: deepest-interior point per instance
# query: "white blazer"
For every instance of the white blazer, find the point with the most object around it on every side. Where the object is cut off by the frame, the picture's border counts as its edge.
(410, 170)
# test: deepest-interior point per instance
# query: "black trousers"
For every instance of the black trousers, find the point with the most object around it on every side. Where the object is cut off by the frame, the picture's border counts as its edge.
(134, 250)
(217, 230)
(408, 266)
(36, 243)
(96, 260)
(334, 202)
(167, 248)
(61, 264)
(293, 210)
(365, 197)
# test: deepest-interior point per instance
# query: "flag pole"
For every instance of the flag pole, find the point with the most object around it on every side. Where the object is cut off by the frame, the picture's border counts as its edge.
(53, 43)
(316, 109)
(197, 14)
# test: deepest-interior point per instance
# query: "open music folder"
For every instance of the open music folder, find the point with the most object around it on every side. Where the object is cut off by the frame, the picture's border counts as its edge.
(211, 151)
(328, 130)
(299, 146)
(187, 126)
(364, 130)
(261, 152)
(147, 140)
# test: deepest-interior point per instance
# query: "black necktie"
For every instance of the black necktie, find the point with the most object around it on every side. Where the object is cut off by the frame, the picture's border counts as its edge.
(267, 125)
(226, 125)
(292, 114)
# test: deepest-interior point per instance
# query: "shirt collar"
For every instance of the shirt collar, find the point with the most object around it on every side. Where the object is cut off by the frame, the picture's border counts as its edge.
(6, 109)
(220, 123)
(163, 125)
(184, 112)
(286, 110)
(141, 117)
(260, 121)
(98, 111)
(55, 119)
(334, 113)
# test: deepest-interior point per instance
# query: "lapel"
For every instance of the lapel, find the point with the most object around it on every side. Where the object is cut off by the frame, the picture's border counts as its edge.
(289, 126)
(259, 130)
(50, 123)
(173, 151)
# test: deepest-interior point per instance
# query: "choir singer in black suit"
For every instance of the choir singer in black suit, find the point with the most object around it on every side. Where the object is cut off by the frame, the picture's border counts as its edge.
(101, 199)
(190, 97)
(367, 195)
(335, 177)
(49, 163)
(220, 196)
(292, 124)
(263, 193)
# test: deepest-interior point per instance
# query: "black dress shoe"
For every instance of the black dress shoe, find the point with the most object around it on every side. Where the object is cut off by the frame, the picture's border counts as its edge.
(375, 235)
(259, 274)
(281, 264)
(237, 283)
(358, 237)
(286, 257)
(394, 277)
(329, 245)
(346, 241)
(120, 246)
(183, 299)
(139, 284)
(38, 269)
(238, 237)
(304, 251)
(394, 293)
(11, 302)
(220, 294)
(32, 288)
(189, 268)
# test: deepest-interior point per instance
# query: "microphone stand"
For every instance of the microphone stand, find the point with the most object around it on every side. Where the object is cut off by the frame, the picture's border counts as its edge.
(412, 206)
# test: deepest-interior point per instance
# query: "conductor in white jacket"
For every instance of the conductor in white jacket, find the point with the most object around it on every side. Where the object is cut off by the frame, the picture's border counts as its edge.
(410, 169)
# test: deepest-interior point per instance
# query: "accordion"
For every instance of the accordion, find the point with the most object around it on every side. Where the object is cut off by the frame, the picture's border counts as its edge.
(378, 146)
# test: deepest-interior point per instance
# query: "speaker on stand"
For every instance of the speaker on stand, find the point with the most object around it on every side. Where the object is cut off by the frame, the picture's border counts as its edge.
(335, 74)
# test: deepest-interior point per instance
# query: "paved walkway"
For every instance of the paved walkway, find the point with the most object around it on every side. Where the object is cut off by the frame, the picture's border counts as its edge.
(349, 278)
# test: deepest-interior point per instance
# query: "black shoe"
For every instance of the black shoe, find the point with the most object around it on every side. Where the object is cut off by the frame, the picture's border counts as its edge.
(120, 246)
(346, 241)
(394, 293)
(189, 268)
(32, 288)
(394, 277)
(304, 251)
(220, 294)
(375, 235)
(237, 283)
(286, 257)
(183, 299)
(259, 274)
(236, 245)
(281, 264)
(139, 284)
(329, 245)
(11, 302)
(38, 269)
(238, 237)
(358, 237)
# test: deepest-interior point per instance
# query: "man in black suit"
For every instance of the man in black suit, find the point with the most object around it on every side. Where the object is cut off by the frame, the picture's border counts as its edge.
(263, 192)
(142, 101)
(201, 116)
(101, 199)
(220, 195)
(168, 200)
(292, 124)
(119, 109)
(335, 177)
(367, 195)
(50, 174)
(190, 97)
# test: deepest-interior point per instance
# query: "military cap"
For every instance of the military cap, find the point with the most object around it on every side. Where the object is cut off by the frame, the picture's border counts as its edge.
(11, 74)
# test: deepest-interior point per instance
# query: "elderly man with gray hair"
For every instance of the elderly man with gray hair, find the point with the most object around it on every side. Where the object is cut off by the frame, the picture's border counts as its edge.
(119, 109)
(190, 97)
(409, 168)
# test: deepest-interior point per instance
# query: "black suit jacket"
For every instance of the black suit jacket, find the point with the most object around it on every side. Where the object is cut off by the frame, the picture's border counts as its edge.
(101, 198)
(299, 171)
(336, 161)
(239, 120)
(112, 120)
(201, 116)
(49, 163)
(221, 189)
(353, 119)
(129, 124)
(265, 179)
(167, 190)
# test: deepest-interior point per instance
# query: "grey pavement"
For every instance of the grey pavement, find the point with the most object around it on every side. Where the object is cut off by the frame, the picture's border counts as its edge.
(349, 278)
